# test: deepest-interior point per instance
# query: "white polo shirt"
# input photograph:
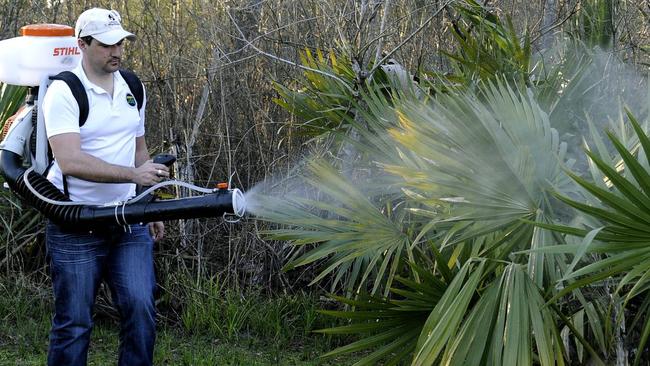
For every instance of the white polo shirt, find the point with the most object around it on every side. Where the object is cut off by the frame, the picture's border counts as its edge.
(108, 134)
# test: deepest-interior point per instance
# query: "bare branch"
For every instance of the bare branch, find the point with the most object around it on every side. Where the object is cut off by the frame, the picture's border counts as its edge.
(407, 39)
(382, 27)
(274, 57)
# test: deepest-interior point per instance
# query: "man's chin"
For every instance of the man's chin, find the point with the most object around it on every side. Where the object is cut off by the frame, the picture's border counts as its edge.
(110, 68)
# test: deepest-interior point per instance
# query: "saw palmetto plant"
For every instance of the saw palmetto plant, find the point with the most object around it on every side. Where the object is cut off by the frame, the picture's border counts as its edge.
(487, 47)
(470, 167)
(618, 230)
(451, 240)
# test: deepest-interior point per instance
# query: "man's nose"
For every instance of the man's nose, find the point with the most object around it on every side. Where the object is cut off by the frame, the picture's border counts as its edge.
(116, 51)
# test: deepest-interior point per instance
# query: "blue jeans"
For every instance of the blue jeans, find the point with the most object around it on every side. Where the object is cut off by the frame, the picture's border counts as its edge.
(79, 261)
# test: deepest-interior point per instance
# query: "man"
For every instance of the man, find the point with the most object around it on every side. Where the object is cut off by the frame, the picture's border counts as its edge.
(100, 162)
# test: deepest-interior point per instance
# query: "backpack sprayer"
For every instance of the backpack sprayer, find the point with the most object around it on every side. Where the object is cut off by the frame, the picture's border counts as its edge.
(31, 60)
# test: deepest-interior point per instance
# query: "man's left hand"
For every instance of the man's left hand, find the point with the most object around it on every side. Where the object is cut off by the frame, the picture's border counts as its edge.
(157, 230)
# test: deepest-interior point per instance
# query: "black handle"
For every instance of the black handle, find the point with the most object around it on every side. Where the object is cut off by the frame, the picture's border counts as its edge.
(165, 159)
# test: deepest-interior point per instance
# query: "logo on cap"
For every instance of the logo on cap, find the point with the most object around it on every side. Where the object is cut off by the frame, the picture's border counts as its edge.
(130, 99)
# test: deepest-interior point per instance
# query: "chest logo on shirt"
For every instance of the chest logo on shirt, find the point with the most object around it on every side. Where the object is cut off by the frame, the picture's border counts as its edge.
(130, 99)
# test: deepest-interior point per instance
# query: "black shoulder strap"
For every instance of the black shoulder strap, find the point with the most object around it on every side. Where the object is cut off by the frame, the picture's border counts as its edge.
(135, 85)
(78, 91)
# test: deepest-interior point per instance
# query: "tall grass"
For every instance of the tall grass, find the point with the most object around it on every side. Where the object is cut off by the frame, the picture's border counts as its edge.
(282, 320)
(218, 326)
(24, 314)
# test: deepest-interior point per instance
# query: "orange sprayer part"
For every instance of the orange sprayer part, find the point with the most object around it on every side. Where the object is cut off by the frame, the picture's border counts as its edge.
(10, 121)
(47, 30)
(222, 185)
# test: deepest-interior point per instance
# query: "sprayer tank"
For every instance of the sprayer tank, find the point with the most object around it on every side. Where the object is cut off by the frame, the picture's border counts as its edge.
(41, 51)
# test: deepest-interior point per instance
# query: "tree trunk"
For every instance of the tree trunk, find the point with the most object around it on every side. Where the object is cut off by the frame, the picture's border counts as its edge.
(549, 17)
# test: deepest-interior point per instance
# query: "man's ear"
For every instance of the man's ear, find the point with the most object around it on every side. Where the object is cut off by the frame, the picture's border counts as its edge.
(82, 45)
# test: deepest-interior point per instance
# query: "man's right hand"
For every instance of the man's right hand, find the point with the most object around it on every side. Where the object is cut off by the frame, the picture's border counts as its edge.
(66, 148)
(149, 173)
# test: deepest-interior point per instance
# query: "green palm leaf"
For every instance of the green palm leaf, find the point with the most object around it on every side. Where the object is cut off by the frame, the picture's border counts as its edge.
(488, 157)
(623, 237)
(389, 326)
(357, 232)
(500, 328)
(11, 97)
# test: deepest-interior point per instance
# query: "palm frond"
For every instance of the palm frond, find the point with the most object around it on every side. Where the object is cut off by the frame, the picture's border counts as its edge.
(390, 327)
(346, 226)
(11, 97)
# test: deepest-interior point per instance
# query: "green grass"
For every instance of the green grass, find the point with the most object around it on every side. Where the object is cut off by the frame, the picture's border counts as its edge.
(172, 348)
(220, 327)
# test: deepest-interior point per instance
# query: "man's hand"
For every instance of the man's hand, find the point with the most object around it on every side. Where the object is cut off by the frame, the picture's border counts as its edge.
(157, 230)
(149, 173)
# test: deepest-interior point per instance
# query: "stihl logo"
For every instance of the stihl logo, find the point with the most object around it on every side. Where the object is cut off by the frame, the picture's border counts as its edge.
(65, 51)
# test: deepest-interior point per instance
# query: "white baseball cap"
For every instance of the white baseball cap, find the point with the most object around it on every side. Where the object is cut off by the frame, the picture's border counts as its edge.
(103, 25)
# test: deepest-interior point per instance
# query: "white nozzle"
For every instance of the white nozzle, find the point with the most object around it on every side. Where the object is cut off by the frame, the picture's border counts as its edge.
(238, 202)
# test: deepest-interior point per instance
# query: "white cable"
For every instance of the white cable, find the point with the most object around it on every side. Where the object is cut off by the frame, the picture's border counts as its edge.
(128, 202)
(227, 218)
(124, 217)
(169, 183)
